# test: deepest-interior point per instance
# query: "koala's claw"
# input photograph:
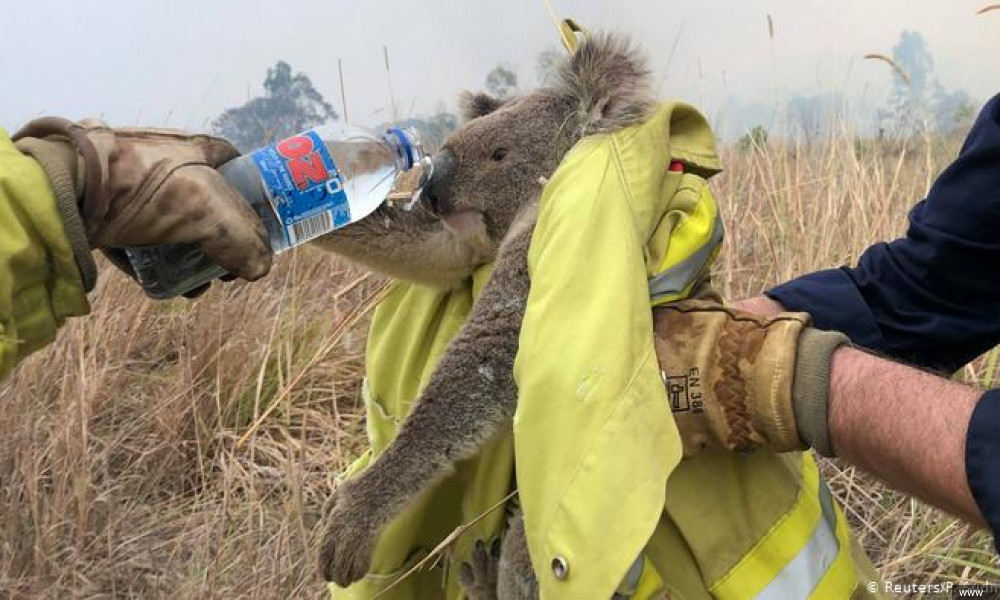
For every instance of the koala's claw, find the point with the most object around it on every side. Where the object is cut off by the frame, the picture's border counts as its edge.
(479, 576)
(346, 554)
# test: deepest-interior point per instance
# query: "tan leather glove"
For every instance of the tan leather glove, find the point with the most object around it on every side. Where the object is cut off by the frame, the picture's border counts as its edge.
(740, 381)
(136, 187)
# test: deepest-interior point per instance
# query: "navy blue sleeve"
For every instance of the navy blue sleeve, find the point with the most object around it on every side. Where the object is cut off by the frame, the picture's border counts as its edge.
(931, 298)
(982, 459)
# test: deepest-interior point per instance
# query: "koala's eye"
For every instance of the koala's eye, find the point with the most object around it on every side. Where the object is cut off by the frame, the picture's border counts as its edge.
(498, 154)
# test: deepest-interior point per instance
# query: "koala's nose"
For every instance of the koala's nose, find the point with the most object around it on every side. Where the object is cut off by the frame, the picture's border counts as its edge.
(434, 187)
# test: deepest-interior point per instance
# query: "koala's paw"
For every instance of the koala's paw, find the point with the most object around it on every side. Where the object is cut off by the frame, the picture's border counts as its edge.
(346, 553)
(479, 576)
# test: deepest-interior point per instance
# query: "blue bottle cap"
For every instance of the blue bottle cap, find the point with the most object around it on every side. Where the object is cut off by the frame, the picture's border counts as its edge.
(412, 154)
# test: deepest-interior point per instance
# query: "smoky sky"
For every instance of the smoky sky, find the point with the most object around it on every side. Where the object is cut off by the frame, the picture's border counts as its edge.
(180, 63)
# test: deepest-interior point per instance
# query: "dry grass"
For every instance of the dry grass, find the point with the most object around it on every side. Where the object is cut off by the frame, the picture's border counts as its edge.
(121, 472)
(790, 210)
(118, 454)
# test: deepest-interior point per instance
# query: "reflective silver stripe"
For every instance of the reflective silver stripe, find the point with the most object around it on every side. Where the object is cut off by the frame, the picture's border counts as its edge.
(803, 573)
(626, 589)
(678, 277)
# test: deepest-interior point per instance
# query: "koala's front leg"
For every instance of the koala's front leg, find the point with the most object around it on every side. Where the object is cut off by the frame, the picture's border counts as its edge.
(469, 399)
(414, 246)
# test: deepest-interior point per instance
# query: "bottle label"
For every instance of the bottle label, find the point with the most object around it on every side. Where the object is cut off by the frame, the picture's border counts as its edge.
(305, 187)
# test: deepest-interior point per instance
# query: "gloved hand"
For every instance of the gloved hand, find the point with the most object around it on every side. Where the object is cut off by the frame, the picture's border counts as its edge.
(740, 381)
(136, 187)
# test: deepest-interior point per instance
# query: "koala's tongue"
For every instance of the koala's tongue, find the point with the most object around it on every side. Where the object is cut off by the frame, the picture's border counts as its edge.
(464, 221)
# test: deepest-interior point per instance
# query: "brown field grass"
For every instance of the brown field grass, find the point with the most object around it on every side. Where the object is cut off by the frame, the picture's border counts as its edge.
(121, 471)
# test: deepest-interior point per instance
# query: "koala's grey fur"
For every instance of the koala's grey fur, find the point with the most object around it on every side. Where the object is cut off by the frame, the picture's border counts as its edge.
(487, 207)
(502, 572)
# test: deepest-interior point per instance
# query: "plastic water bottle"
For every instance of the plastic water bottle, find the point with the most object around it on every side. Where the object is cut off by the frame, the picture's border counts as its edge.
(301, 187)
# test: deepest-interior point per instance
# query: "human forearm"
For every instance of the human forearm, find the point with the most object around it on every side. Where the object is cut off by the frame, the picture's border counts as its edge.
(905, 426)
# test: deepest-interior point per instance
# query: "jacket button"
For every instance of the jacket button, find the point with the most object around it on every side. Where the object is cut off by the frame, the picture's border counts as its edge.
(560, 568)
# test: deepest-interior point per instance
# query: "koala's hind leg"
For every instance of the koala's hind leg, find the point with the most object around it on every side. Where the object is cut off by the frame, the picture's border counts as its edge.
(515, 578)
(502, 572)
(469, 400)
(479, 576)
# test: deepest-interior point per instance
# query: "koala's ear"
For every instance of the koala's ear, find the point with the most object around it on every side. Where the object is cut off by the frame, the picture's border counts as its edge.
(608, 82)
(473, 105)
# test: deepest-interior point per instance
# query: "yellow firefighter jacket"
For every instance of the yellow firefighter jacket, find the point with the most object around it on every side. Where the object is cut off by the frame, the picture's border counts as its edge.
(608, 505)
(40, 284)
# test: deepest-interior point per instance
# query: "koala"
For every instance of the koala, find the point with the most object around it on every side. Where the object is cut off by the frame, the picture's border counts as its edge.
(479, 205)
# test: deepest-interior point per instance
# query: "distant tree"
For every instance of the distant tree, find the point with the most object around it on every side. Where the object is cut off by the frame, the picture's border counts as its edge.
(919, 103)
(501, 82)
(806, 116)
(912, 99)
(290, 104)
(755, 139)
(547, 64)
(809, 117)
(433, 129)
(439, 125)
(954, 111)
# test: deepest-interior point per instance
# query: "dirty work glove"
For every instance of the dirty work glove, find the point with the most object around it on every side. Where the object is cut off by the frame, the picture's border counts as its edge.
(137, 187)
(741, 381)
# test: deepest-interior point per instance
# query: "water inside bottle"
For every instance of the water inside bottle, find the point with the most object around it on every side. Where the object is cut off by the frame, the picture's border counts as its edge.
(302, 188)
